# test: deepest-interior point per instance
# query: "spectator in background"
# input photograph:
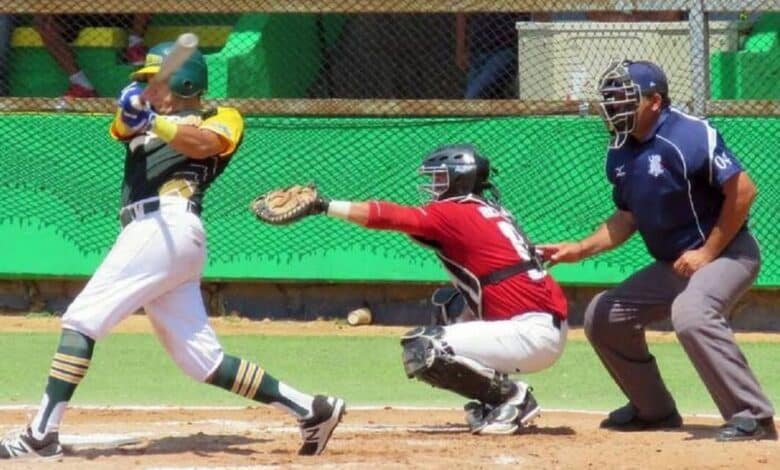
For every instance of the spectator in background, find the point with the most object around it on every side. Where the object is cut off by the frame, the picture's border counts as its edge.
(485, 49)
(6, 24)
(58, 31)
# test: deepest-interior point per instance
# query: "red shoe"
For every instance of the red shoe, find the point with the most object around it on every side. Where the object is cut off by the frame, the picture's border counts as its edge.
(135, 55)
(77, 91)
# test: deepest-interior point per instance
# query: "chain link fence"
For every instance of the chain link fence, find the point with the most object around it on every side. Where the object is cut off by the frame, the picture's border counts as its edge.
(352, 94)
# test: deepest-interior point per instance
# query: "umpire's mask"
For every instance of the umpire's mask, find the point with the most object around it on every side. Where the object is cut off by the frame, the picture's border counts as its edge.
(619, 102)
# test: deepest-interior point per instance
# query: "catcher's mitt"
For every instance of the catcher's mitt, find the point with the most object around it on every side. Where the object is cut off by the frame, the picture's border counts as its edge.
(287, 205)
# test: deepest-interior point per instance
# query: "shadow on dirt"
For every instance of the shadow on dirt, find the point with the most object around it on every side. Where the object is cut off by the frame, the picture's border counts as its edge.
(700, 431)
(463, 429)
(200, 444)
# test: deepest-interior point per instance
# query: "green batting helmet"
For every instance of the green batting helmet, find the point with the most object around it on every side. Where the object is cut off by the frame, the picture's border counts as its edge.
(191, 79)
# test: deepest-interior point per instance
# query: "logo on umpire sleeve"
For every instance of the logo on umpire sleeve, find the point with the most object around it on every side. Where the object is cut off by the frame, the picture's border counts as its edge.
(722, 161)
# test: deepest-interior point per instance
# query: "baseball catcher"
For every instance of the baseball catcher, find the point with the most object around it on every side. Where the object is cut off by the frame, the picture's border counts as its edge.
(503, 314)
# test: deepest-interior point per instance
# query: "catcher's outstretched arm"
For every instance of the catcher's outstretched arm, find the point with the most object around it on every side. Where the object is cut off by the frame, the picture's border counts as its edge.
(383, 216)
(355, 212)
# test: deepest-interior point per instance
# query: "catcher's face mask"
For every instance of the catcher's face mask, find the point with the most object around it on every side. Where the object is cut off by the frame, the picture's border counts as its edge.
(439, 182)
(619, 102)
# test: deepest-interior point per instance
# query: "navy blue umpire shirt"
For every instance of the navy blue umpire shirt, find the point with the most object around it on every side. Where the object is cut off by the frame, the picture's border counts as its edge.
(672, 181)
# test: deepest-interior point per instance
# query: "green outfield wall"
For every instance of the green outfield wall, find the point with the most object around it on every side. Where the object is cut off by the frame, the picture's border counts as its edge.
(60, 191)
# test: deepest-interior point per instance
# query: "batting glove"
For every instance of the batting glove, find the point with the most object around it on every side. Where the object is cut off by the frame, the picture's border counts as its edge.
(135, 114)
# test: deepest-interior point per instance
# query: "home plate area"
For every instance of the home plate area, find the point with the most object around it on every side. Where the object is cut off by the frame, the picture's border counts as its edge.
(379, 437)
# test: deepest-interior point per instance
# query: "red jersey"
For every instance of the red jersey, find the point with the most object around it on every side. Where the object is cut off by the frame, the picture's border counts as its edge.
(474, 239)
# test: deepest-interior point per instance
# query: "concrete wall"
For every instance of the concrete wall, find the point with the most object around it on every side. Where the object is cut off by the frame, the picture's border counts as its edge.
(391, 304)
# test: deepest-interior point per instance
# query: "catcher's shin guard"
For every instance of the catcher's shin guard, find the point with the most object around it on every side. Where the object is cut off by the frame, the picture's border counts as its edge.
(429, 359)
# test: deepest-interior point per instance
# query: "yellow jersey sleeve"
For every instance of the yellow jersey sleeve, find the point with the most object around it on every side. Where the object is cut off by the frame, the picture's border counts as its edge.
(228, 124)
(118, 129)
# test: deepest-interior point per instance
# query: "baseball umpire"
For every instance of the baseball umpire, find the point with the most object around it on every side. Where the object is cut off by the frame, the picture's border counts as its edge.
(677, 183)
(174, 149)
(504, 314)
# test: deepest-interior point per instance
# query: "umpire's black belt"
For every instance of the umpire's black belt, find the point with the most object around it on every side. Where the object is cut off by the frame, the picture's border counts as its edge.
(139, 209)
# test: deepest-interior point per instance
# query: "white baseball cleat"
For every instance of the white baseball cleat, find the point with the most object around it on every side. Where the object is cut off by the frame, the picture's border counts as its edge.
(22, 445)
(316, 431)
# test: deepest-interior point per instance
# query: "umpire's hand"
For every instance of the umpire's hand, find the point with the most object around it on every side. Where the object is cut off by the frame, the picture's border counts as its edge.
(691, 261)
(565, 252)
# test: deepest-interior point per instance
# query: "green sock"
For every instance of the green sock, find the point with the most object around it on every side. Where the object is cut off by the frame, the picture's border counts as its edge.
(68, 367)
(251, 381)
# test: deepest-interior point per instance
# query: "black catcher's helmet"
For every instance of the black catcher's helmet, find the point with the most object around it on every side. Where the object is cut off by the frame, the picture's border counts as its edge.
(455, 170)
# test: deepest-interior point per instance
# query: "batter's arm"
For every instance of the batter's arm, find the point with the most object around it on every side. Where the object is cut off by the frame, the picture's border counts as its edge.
(217, 135)
(197, 143)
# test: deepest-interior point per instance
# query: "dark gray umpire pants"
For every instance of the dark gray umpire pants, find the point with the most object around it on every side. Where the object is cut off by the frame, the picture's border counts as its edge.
(615, 323)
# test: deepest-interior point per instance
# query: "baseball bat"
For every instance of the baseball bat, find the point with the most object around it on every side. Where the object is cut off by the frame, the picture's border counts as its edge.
(182, 50)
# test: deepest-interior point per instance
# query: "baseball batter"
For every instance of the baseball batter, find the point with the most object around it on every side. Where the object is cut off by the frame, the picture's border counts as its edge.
(504, 314)
(175, 149)
(677, 183)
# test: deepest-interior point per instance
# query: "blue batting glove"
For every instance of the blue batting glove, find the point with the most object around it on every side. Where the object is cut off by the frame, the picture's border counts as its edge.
(134, 113)
(130, 97)
(138, 121)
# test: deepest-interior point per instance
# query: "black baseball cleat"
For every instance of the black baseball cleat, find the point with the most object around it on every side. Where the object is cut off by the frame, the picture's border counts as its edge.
(626, 419)
(509, 417)
(529, 409)
(316, 431)
(22, 445)
(476, 415)
(747, 429)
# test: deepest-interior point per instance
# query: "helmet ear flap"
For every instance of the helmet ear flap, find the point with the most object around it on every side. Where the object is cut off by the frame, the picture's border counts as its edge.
(192, 77)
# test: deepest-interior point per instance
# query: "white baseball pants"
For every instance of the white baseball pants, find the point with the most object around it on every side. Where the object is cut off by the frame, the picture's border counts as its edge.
(156, 263)
(526, 343)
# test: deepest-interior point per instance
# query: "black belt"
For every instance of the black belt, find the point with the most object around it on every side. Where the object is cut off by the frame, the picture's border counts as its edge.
(499, 275)
(131, 212)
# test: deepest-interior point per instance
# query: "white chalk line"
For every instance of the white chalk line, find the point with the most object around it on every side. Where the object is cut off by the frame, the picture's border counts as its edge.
(30, 407)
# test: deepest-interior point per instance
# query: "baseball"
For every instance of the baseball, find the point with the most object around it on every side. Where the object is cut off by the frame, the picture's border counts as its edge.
(361, 316)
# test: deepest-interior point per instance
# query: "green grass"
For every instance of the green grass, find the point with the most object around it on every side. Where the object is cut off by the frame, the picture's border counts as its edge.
(134, 369)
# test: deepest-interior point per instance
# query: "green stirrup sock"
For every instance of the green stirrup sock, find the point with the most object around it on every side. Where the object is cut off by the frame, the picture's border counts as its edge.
(251, 381)
(68, 367)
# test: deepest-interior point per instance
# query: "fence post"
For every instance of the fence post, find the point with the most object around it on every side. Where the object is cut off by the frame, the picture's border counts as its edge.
(700, 59)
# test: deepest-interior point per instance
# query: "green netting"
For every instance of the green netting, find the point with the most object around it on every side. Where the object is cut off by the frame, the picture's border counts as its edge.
(372, 84)
(551, 174)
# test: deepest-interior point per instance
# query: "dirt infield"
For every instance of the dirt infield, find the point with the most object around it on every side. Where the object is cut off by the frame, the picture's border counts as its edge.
(262, 437)
(386, 438)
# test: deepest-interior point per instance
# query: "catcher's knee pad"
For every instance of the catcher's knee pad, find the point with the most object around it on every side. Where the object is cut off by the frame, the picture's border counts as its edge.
(419, 345)
(427, 357)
